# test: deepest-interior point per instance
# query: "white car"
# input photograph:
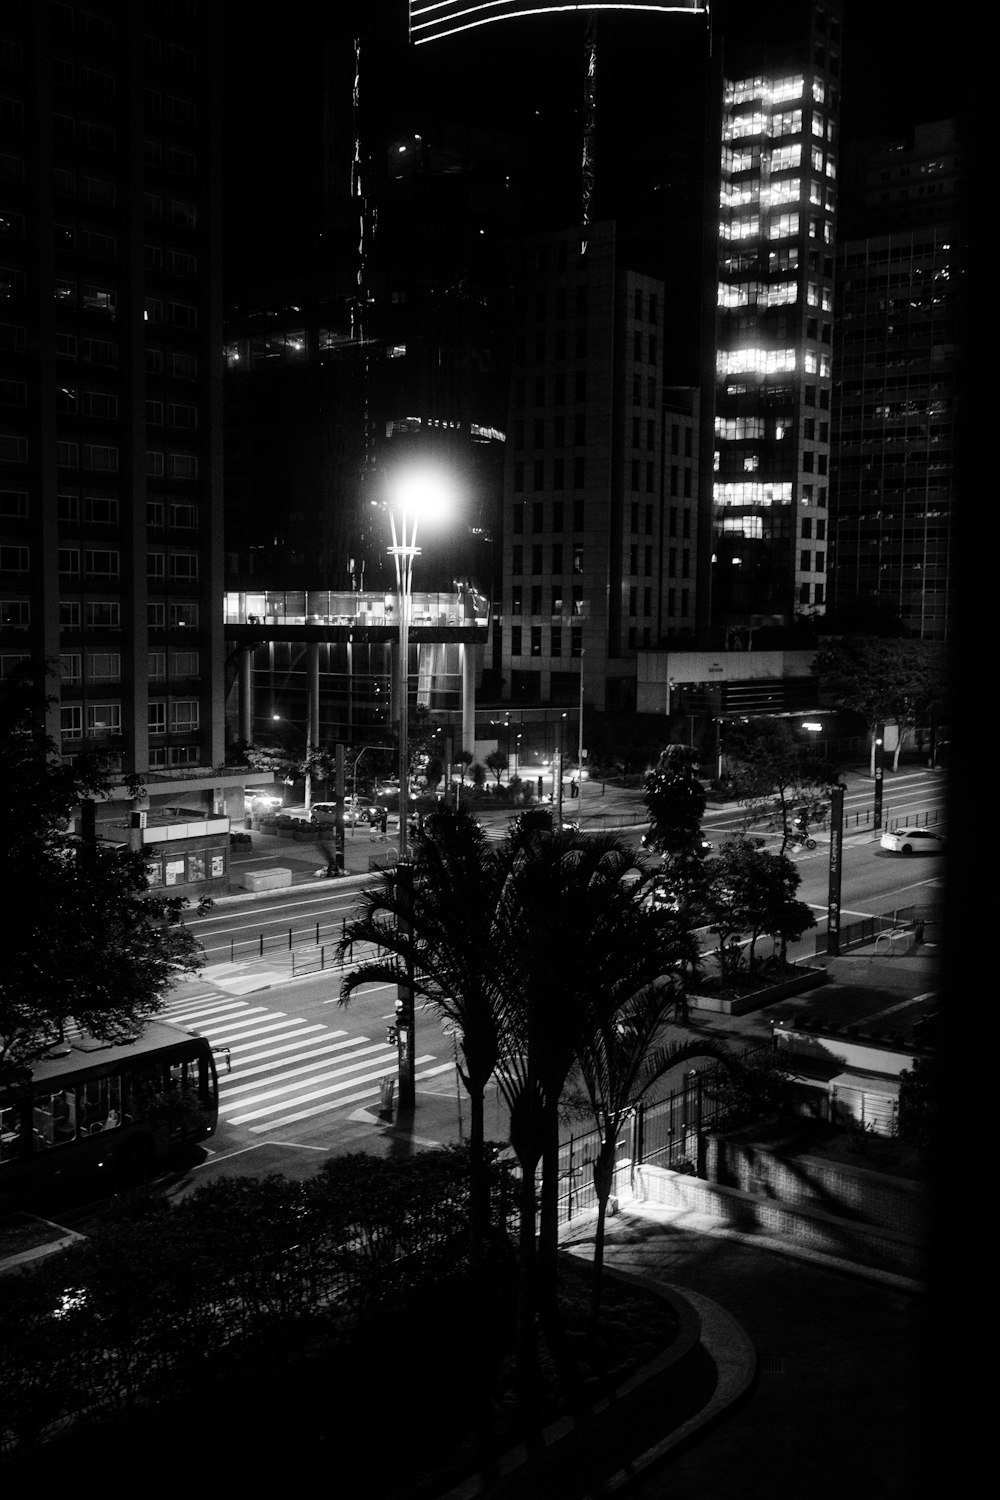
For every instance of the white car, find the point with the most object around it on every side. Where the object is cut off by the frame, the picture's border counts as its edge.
(913, 841)
(262, 801)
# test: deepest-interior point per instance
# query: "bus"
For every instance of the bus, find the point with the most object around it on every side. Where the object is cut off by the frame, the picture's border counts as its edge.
(98, 1110)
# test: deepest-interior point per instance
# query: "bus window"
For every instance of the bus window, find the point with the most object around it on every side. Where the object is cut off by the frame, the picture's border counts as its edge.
(54, 1118)
(100, 1101)
(11, 1131)
(141, 1088)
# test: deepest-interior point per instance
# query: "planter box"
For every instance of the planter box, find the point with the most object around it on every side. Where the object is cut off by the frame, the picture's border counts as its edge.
(738, 1005)
(267, 880)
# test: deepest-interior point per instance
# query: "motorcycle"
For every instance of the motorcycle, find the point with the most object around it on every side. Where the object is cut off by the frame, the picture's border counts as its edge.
(799, 836)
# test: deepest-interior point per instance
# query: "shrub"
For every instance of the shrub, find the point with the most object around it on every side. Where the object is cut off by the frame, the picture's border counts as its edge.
(919, 1102)
(754, 1088)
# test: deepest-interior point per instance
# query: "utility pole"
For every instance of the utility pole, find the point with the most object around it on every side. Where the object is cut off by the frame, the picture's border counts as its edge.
(338, 816)
(449, 756)
(836, 869)
(404, 991)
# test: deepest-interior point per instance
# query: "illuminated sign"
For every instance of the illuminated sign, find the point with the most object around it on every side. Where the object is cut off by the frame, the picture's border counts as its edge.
(432, 19)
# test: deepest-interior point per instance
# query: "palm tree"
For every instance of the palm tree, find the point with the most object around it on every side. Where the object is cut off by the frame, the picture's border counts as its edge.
(623, 1055)
(587, 943)
(443, 936)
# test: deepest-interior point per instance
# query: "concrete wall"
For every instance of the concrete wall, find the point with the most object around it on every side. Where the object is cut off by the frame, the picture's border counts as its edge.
(806, 1227)
(836, 1187)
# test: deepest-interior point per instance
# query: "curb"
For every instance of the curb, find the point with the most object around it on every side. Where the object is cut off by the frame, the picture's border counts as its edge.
(528, 1471)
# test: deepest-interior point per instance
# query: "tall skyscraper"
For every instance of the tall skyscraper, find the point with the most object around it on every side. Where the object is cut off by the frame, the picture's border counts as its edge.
(896, 402)
(110, 376)
(775, 327)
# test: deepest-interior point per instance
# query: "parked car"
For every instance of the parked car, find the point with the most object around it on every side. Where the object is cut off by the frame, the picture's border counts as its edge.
(323, 812)
(260, 801)
(913, 841)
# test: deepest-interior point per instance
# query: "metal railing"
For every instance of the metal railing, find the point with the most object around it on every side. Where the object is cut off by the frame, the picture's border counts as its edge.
(664, 1133)
(928, 919)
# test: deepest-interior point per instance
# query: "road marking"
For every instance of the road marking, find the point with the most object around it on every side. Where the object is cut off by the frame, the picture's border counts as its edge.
(277, 1062)
(215, 1005)
(388, 1067)
(314, 1067)
(319, 1109)
(281, 1062)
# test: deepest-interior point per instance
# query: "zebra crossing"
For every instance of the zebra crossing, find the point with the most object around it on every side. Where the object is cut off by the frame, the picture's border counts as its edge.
(277, 1070)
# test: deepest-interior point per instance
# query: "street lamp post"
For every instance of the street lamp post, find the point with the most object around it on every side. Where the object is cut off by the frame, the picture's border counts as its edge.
(412, 495)
(309, 749)
(879, 780)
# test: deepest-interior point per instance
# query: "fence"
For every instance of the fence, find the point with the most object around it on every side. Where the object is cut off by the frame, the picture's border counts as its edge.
(664, 1134)
(928, 919)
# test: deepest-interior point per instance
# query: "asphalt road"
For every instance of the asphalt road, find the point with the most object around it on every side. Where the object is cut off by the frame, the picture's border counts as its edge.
(300, 1076)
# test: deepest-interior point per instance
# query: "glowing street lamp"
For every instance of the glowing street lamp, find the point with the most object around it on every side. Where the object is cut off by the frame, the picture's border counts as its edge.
(278, 719)
(415, 495)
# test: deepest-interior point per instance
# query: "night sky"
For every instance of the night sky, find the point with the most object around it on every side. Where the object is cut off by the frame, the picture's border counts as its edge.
(902, 64)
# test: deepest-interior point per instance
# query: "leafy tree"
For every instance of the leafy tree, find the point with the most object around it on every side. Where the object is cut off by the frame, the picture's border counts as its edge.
(918, 1122)
(496, 762)
(750, 892)
(478, 774)
(749, 1089)
(675, 800)
(85, 941)
(884, 680)
(775, 777)
(433, 771)
(463, 759)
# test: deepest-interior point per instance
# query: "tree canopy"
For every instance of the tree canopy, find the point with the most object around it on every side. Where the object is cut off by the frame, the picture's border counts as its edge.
(85, 942)
(775, 776)
(885, 680)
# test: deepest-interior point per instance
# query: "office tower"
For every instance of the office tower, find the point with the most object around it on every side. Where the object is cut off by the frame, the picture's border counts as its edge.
(896, 399)
(775, 324)
(601, 477)
(110, 377)
(604, 463)
(367, 316)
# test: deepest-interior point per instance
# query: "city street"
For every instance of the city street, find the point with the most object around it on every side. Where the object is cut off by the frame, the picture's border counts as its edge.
(300, 1076)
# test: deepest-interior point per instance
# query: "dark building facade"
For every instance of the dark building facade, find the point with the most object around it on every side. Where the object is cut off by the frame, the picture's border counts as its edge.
(897, 393)
(110, 375)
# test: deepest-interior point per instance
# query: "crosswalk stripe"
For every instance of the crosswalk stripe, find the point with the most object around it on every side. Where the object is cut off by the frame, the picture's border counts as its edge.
(340, 1072)
(273, 1057)
(208, 1009)
(326, 1092)
(301, 1034)
(310, 1067)
(240, 1032)
(319, 1109)
(246, 1071)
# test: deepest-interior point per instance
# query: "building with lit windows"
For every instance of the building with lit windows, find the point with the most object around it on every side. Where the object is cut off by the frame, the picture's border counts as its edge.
(600, 485)
(896, 400)
(110, 382)
(774, 373)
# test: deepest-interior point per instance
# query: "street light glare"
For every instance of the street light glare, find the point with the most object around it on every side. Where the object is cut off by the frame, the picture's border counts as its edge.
(427, 493)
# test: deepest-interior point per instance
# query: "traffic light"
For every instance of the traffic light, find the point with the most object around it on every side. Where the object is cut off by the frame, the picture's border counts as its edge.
(391, 1036)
